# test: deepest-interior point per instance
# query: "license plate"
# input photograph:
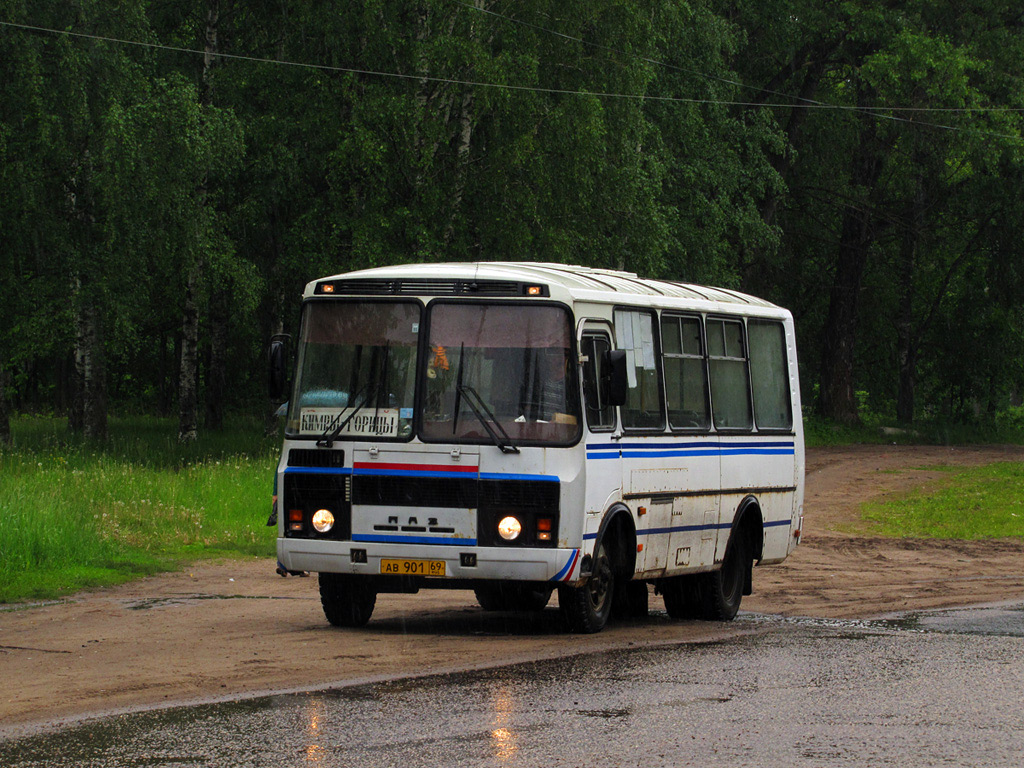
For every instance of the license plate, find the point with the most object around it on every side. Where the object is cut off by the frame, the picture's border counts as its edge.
(412, 567)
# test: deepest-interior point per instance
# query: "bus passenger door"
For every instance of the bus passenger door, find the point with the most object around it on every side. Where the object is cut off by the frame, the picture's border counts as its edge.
(603, 486)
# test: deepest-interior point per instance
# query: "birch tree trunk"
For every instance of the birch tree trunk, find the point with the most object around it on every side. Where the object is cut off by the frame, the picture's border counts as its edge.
(91, 371)
(188, 397)
(188, 389)
(216, 378)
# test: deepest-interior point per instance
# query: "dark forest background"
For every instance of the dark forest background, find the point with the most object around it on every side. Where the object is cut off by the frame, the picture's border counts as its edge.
(173, 172)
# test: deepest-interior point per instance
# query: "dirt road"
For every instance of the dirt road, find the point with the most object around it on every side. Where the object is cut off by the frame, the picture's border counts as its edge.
(221, 630)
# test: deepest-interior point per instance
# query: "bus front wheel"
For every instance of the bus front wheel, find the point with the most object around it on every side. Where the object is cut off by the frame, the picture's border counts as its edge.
(348, 600)
(586, 609)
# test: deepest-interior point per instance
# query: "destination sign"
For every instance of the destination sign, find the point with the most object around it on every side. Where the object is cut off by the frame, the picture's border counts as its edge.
(369, 422)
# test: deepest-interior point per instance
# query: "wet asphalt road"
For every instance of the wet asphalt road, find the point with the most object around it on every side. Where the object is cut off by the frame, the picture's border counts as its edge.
(931, 689)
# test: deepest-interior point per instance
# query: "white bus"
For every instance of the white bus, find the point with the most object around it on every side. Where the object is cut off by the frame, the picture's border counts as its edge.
(520, 428)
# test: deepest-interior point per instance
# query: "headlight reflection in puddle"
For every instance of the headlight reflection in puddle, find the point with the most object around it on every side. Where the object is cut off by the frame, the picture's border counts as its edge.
(503, 738)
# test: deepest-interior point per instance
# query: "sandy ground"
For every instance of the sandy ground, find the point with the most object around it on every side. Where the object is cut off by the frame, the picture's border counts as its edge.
(229, 629)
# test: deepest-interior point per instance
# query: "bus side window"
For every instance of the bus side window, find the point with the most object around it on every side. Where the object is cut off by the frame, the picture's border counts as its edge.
(769, 375)
(686, 382)
(600, 415)
(730, 380)
(634, 333)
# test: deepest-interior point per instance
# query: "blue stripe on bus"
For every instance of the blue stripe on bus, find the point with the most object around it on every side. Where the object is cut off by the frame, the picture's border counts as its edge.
(683, 529)
(413, 473)
(367, 538)
(317, 471)
(504, 476)
(708, 452)
(418, 473)
(690, 444)
(660, 452)
(567, 569)
(690, 529)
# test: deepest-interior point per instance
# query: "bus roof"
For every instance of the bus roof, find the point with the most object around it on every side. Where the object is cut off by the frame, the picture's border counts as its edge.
(581, 283)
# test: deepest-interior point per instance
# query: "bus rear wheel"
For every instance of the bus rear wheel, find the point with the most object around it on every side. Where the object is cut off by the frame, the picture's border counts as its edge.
(721, 591)
(713, 596)
(586, 609)
(348, 600)
(682, 596)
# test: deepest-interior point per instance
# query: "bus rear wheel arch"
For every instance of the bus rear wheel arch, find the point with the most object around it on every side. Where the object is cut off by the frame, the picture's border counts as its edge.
(716, 595)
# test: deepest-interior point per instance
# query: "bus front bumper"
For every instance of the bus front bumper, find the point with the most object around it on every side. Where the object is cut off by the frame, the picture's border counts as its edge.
(558, 566)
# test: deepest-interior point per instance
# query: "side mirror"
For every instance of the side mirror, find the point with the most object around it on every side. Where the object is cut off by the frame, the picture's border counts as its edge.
(613, 375)
(277, 365)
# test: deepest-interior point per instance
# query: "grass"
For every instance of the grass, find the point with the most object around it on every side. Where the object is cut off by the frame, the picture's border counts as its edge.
(977, 503)
(74, 515)
(874, 429)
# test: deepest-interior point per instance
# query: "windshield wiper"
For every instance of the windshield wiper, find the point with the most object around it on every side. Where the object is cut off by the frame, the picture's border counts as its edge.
(458, 389)
(327, 439)
(479, 409)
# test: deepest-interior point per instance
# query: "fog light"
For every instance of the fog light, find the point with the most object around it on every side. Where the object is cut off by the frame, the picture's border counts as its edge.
(323, 520)
(509, 528)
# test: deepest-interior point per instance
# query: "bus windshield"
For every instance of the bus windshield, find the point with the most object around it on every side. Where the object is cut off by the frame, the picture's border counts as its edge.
(499, 373)
(356, 370)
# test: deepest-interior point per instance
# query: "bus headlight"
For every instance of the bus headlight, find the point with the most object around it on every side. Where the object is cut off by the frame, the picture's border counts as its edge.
(323, 520)
(509, 528)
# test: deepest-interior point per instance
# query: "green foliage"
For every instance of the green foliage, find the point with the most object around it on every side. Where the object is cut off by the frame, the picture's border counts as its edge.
(979, 503)
(667, 138)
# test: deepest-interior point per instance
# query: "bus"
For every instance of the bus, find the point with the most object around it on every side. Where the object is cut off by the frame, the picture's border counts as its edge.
(521, 429)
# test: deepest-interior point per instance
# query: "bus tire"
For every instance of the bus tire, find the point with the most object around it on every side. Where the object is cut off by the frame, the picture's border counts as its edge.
(586, 609)
(682, 596)
(348, 600)
(721, 591)
(512, 597)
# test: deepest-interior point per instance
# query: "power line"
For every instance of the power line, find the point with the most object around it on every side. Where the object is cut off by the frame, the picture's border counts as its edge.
(645, 59)
(523, 88)
(738, 84)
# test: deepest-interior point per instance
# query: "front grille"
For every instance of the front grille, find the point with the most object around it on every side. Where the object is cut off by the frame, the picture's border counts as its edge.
(313, 457)
(415, 491)
(469, 493)
(540, 494)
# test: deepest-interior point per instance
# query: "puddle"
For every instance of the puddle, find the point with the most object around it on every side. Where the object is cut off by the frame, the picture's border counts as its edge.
(158, 602)
(994, 621)
(1001, 620)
